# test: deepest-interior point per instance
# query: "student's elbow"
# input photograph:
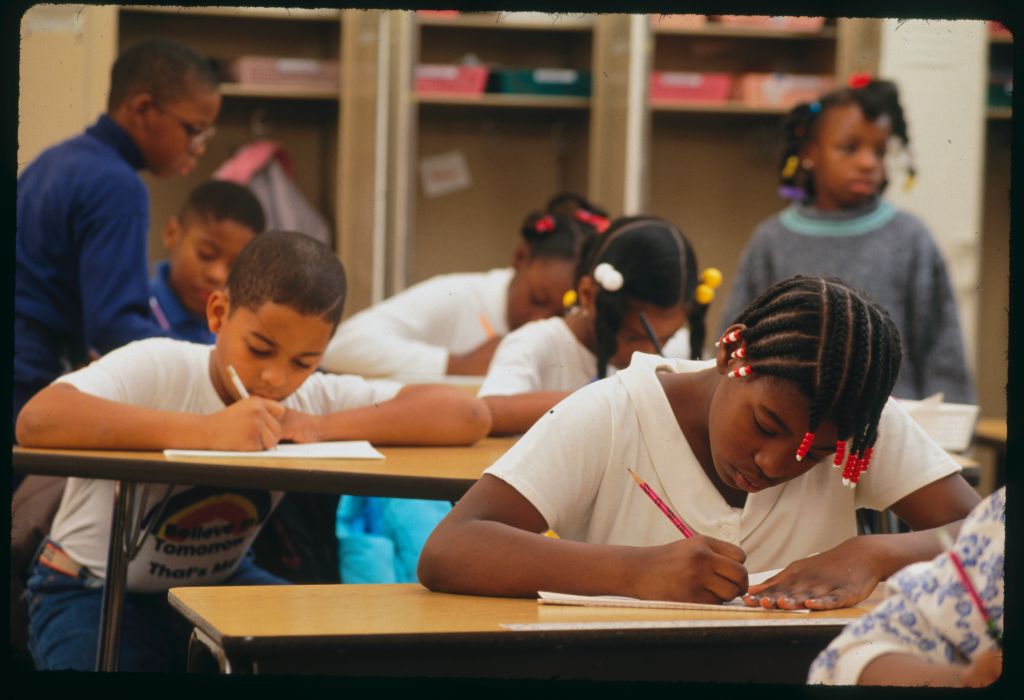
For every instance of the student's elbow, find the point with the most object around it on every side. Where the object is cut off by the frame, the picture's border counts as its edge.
(477, 420)
(432, 568)
(36, 420)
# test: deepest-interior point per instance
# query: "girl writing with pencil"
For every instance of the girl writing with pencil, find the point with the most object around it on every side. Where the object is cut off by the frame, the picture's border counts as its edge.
(765, 452)
(636, 288)
(451, 324)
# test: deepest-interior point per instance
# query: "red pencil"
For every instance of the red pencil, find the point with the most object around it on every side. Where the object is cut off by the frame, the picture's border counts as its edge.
(947, 543)
(680, 525)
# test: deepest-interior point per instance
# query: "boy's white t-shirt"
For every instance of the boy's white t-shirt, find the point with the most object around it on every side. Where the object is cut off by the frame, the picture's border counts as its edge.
(571, 465)
(546, 355)
(414, 331)
(203, 532)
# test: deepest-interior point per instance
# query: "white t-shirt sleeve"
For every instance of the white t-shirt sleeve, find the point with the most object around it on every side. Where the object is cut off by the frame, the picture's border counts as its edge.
(142, 373)
(678, 345)
(559, 464)
(514, 367)
(904, 460)
(328, 393)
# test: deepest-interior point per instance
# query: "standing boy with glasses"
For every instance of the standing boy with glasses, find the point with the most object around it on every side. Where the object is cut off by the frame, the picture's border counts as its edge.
(83, 214)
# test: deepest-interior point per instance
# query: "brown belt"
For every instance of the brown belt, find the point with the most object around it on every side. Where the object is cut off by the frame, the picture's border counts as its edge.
(55, 558)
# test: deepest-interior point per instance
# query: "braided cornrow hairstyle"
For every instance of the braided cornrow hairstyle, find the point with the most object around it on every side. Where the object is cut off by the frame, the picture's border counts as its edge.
(658, 266)
(840, 348)
(875, 99)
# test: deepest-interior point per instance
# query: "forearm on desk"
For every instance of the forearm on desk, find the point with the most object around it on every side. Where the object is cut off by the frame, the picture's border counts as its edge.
(61, 416)
(420, 414)
(512, 415)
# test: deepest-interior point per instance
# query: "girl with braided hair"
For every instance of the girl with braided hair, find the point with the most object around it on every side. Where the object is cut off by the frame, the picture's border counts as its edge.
(636, 287)
(741, 447)
(832, 167)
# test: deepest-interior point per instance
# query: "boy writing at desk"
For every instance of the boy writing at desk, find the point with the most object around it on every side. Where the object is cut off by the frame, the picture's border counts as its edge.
(283, 301)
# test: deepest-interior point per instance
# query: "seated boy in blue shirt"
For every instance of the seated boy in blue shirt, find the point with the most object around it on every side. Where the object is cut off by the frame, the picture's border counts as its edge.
(282, 303)
(81, 254)
(217, 220)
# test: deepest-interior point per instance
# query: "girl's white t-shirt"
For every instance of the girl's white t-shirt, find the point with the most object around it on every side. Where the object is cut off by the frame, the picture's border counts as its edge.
(541, 355)
(546, 355)
(413, 332)
(571, 465)
(203, 532)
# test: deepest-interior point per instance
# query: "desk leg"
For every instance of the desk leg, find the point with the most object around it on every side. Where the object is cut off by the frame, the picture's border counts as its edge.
(107, 656)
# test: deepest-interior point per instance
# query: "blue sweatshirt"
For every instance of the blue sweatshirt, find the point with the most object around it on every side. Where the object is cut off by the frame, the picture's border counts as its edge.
(81, 256)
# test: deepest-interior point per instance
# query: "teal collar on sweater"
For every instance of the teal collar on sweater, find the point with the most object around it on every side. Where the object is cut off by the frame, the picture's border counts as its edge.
(814, 222)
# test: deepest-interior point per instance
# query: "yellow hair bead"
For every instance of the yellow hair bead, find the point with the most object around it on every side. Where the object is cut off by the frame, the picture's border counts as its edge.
(789, 169)
(712, 277)
(704, 294)
(569, 299)
(909, 184)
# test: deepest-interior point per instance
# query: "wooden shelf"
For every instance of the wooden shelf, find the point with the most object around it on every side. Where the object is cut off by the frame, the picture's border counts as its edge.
(712, 30)
(713, 108)
(1000, 112)
(247, 12)
(284, 92)
(493, 20)
(505, 101)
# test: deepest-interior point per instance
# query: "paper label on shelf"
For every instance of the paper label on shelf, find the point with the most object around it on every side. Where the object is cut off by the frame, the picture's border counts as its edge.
(297, 65)
(437, 72)
(444, 173)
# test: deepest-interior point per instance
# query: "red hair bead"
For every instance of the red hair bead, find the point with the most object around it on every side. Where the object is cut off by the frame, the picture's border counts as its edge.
(740, 352)
(596, 221)
(731, 337)
(805, 446)
(840, 453)
(743, 371)
(545, 224)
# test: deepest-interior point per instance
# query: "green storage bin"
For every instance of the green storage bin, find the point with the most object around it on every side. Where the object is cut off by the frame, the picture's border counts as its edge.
(1000, 92)
(540, 81)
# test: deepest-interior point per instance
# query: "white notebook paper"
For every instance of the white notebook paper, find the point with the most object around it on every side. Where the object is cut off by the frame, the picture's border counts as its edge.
(617, 601)
(345, 449)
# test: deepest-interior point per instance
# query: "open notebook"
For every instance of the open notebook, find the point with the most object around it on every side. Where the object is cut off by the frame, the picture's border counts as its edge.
(616, 601)
(345, 449)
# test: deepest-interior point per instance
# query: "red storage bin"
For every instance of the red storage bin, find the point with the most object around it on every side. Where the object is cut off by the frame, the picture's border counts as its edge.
(669, 86)
(270, 70)
(451, 79)
(781, 89)
(791, 24)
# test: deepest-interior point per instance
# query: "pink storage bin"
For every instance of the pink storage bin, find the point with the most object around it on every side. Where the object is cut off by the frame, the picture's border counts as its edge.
(679, 21)
(269, 70)
(451, 79)
(792, 24)
(670, 86)
(781, 89)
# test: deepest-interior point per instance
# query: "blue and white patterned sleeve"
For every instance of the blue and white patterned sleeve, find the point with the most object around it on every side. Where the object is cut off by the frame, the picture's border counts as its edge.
(927, 611)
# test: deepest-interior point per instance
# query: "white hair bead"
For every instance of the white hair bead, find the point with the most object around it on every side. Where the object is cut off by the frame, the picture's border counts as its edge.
(608, 277)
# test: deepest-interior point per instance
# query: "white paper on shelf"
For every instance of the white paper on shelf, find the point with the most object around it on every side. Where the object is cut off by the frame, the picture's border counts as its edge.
(344, 449)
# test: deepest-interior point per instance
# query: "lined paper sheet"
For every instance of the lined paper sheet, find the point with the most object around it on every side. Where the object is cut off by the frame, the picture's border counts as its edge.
(344, 449)
(616, 601)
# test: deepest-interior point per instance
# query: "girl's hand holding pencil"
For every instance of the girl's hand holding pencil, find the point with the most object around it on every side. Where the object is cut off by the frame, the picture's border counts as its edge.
(700, 569)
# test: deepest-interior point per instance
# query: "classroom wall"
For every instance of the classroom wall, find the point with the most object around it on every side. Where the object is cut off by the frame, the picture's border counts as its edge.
(66, 54)
(940, 67)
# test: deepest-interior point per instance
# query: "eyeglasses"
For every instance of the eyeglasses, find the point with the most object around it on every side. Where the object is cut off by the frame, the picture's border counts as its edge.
(197, 135)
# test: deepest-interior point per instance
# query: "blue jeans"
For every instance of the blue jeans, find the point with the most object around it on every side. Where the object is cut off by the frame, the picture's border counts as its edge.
(64, 621)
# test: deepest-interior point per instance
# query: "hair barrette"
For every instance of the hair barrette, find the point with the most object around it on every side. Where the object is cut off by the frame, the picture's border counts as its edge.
(796, 194)
(608, 277)
(545, 224)
(596, 221)
(790, 168)
(859, 80)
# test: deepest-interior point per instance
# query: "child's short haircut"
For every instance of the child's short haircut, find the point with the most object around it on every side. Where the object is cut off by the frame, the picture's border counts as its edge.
(167, 70)
(876, 98)
(291, 269)
(658, 266)
(224, 200)
(838, 346)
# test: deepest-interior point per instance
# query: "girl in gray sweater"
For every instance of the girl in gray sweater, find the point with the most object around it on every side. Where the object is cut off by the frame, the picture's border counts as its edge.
(832, 167)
